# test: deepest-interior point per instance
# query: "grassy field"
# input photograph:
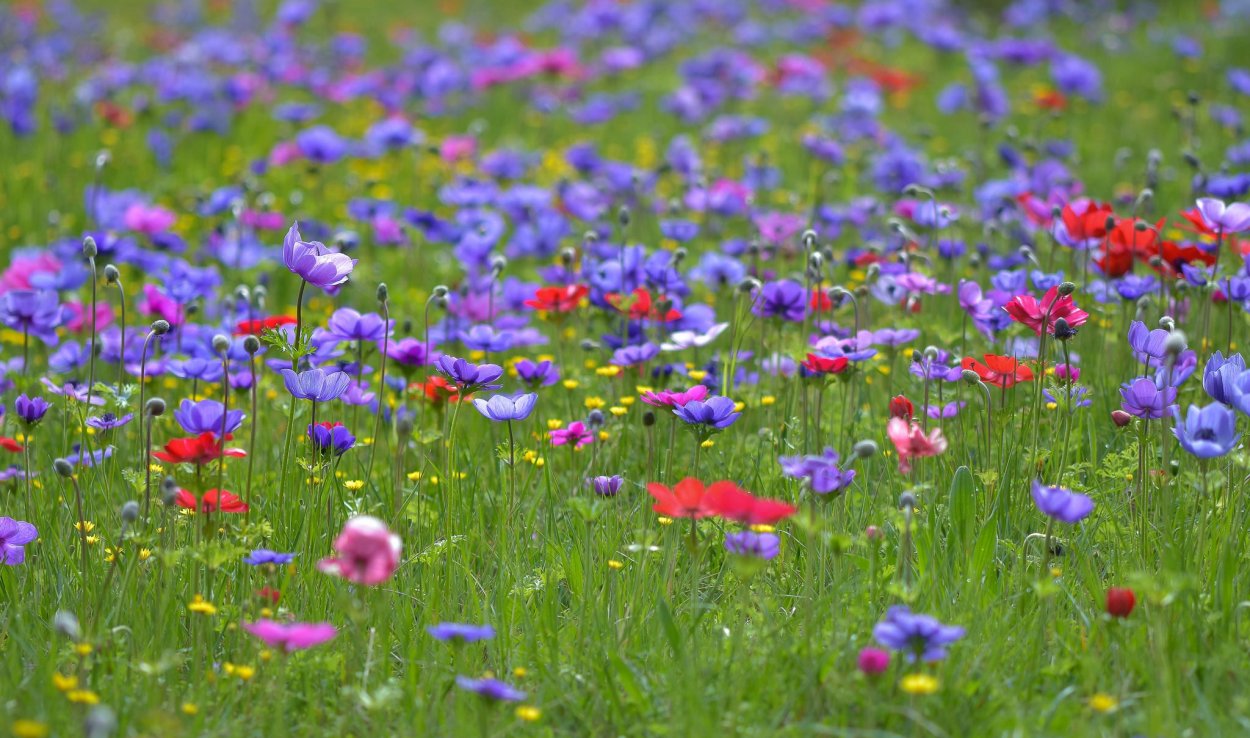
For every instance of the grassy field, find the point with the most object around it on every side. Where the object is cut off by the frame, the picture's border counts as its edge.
(608, 616)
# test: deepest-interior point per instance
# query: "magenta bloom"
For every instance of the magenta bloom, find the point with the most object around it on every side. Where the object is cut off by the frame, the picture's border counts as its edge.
(148, 219)
(672, 398)
(313, 262)
(1039, 316)
(291, 636)
(368, 552)
(873, 661)
(576, 434)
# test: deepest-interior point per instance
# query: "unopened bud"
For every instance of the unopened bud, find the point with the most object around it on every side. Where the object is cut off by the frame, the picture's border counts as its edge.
(865, 449)
(155, 407)
(111, 275)
(169, 491)
(160, 327)
(439, 290)
(63, 467)
(383, 294)
(1120, 418)
(970, 376)
(1066, 288)
(130, 512)
(221, 343)
(251, 344)
(89, 249)
(1175, 344)
(907, 501)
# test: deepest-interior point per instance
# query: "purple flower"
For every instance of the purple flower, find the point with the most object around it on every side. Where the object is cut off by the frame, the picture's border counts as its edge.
(315, 384)
(634, 355)
(205, 416)
(1223, 219)
(784, 299)
(1219, 374)
(749, 543)
(76, 457)
(491, 689)
(330, 438)
(1061, 504)
(501, 408)
(14, 535)
(576, 435)
(347, 324)
(821, 472)
(469, 377)
(461, 632)
(1147, 345)
(109, 421)
(486, 338)
(715, 413)
(939, 412)
(34, 312)
(919, 636)
(321, 145)
(542, 374)
(203, 370)
(264, 556)
(1206, 432)
(606, 486)
(1142, 398)
(408, 352)
(31, 409)
(894, 337)
(313, 262)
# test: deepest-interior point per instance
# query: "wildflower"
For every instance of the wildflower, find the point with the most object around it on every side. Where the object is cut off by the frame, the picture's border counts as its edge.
(1221, 219)
(1142, 398)
(639, 306)
(528, 713)
(784, 299)
(606, 486)
(1120, 602)
(14, 535)
(31, 409)
(109, 421)
(491, 689)
(291, 636)
(1206, 432)
(817, 364)
(316, 385)
(726, 500)
(347, 324)
(821, 472)
(1219, 377)
(673, 398)
(198, 450)
(201, 606)
(313, 262)
(34, 312)
(1040, 317)
(687, 499)
(681, 340)
(575, 435)
(541, 374)
(368, 552)
(918, 636)
(912, 443)
(211, 501)
(82, 697)
(1103, 702)
(257, 326)
(749, 543)
(1061, 504)
(919, 684)
(205, 416)
(999, 371)
(873, 661)
(25, 728)
(266, 557)
(901, 407)
(714, 414)
(330, 439)
(501, 408)
(461, 632)
(558, 299)
(409, 352)
(468, 377)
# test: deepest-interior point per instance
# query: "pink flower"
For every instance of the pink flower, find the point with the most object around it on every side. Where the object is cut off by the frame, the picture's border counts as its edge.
(576, 434)
(148, 219)
(669, 398)
(455, 148)
(1042, 316)
(79, 318)
(873, 661)
(912, 443)
(1067, 372)
(368, 552)
(162, 306)
(291, 636)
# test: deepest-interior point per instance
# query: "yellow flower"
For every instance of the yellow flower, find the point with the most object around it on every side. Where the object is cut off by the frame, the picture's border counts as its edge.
(918, 684)
(190, 708)
(145, 554)
(354, 485)
(1103, 702)
(202, 606)
(520, 672)
(762, 528)
(539, 462)
(768, 400)
(570, 384)
(64, 682)
(590, 363)
(92, 540)
(85, 526)
(604, 435)
(266, 655)
(554, 424)
(627, 401)
(617, 410)
(708, 443)
(594, 403)
(83, 697)
(739, 406)
(614, 564)
(245, 673)
(528, 713)
(697, 374)
(414, 476)
(608, 371)
(664, 521)
(29, 729)
(83, 649)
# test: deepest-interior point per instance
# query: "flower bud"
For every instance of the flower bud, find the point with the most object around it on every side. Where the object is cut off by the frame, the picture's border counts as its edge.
(439, 291)
(155, 407)
(169, 491)
(567, 256)
(873, 533)
(748, 285)
(595, 419)
(160, 327)
(251, 344)
(907, 501)
(221, 343)
(243, 293)
(622, 216)
(648, 418)
(865, 449)
(89, 249)
(1175, 344)
(100, 722)
(970, 376)
(1167, 324)
(111, 275)
(1066, 288)
(809, 239)
(63, 467)
(1121, 418)
(382, 293)
(498, 264)
(130, 512)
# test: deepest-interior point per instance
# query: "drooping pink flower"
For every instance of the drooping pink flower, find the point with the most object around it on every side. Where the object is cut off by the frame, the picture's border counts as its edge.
(673, 398)
(368, 552)
(911, 442)
(291, 636)
(1039, 316)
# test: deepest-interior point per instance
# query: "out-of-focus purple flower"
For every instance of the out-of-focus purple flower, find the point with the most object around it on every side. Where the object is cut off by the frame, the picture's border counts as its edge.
(940, 412)
(1219, 375)
(408, 352)
(266, 557)
(606, 486)
(486, 338)
(820, 471)
(1224, 219)
(205, 416)
(918, 636)
(635, 354)
(749, 543)
(32, 312)
(461, 632)
(491, 689)
(347, 324)
(541, 374)
(109, 421)
(784, 299)
(330, 439)
(502, 408)
(1061, 504)
(14, 535)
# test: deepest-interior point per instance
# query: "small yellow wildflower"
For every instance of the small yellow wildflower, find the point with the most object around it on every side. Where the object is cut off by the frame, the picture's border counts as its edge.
(266, 612)
(83, 649)
(202, 606)
(608, 371)
(92, 540)
(539, 462)
(617, 410)
(1103, 702)
(762, 528)
(528, 713)
(697, 374)
(594, 403)
(414, 476)
(919, 684)
(555, 424)
(627, 401)
(29, 729)
(85, 526)
(64, 682)
(664, 521)
(614, 564)
(767, 400)
(520, 672)
(570, 384)
(145, 554)
(190, 708)
(708, 443)
(82, 697)
(354, 485)
(266, 655)
(245, 673)
(739, 406)
(604, 435)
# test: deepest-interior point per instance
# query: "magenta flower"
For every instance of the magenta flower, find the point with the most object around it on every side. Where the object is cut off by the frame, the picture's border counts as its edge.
(313, 262)
(291, 636)
(673, 398)
(1041, 316)
(576, 435)
(368, 552)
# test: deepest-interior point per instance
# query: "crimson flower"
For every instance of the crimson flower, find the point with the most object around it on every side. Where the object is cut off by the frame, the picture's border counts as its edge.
(198, 450)
(1120, 602)
(1086, 221)
(558, 299)
(9, 444)
(999, 371)
(728, 501)
(1041, 316)
(212, 501)
(901, 407)
(687, 499)
(260, 325)
(438, 390)
(817, 364)
(639, 306)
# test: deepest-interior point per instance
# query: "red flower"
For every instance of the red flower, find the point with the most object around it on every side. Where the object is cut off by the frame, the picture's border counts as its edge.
(197, 450)
(8, 444)
(1000, 371)
(687, 499)
(1088, 223)
(260, 325)
(437, 390)
(1194, 216)
(826, 365)
(269, 593)
(638, 306)
(1174, 256)
(728, 501)
(228, 502)
(901, 407)
(558, 299)
(1120, 602)
(1039, 316)
(820, 302)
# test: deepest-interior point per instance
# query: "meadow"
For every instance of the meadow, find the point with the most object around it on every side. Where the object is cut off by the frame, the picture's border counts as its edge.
(596, 368)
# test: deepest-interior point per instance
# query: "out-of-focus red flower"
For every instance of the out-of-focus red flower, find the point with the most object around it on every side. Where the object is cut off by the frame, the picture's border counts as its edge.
(826, 365)
(1120, 602)
(558, 299)
(212, 501)
(9, 444)
(638, 305)
(1086, 220)
(901, 407)
(198, 450)
(820, 302)
(687, 499)
(260, 325)
(438, 390)
(728, 501)
(269, 594)
(1000, 371)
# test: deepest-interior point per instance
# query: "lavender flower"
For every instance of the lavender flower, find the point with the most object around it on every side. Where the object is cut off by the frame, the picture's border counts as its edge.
(31, 409)
(821, 472)
(205, 416)
(461, 632)
(14, 535)
(918, 636)
(606, 486)
(330, 438)
(491, 689)
(109, 421)
(501, 408)
(1206, 432)
(1142, 398)
(749, 543)
(315, 384)
(469, 377)
(34, 312)
(1061, 504)
(542, 374)
(1219, 374)
(266, 557)
(313, 262)
(714, 414)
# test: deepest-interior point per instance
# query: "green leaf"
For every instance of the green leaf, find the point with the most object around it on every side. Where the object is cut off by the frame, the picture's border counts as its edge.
(665, 616)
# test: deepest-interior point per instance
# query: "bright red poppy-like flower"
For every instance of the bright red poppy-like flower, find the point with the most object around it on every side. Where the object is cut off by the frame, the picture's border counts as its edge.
(1174, 256)
(260, 325)
(1120, 602)
(1085, 220)
(1000, 371)
(212, 501)
(820, 302)
(1127, 241)
(9, 444)
(639, 306)
(558, 299)
(437, 390)
(825, 364)
(901, 407)
(729, 502)
(1039, 316)
(197, 450)
(687, 499)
